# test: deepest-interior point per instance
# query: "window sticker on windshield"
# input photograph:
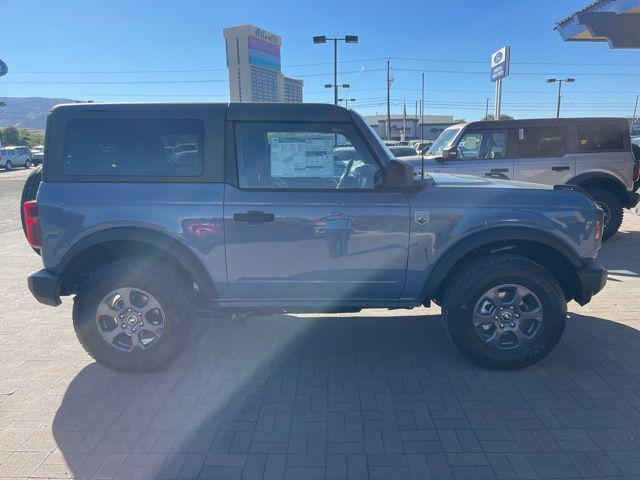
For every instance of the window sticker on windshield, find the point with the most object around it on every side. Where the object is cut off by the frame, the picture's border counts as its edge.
(302, 156)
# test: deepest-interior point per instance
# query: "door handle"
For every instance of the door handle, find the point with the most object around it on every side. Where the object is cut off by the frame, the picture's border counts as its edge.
(560, 168)
(253, 216)
(499, 170)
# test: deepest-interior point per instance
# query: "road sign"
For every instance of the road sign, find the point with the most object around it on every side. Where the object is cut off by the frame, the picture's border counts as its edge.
(3, 68)
(500, 64)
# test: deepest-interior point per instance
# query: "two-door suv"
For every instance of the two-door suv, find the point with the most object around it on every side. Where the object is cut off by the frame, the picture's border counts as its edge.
(152, 214)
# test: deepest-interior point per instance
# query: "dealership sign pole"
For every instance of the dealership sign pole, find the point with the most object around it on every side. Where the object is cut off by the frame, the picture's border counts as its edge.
(499, 70)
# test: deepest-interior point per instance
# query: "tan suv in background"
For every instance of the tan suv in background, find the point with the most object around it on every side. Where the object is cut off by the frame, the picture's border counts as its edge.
(593, 153)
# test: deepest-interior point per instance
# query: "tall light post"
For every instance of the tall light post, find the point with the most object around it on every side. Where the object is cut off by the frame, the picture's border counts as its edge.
(346, 39)
(346, 101)
(559, 81)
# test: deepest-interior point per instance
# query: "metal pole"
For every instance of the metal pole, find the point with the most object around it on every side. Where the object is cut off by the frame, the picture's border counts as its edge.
(389, 99)
(498, 98)
(559, 97)
(635, 108)
(335, 71)
(422, 110)
(486, 109)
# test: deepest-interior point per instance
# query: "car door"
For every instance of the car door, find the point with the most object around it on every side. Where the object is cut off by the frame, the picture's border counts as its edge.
(305, 225)
(543, 155)
(484, 153)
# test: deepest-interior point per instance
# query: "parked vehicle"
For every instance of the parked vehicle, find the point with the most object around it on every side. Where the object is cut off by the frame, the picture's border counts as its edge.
(37, 155)
(262, 217)
(400, 151)
(594, 153)
(11, 157)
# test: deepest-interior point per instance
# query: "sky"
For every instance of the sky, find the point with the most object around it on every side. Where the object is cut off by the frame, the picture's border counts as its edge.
(167, 51)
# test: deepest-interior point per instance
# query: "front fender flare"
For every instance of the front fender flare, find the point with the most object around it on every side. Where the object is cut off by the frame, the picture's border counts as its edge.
(468, 244)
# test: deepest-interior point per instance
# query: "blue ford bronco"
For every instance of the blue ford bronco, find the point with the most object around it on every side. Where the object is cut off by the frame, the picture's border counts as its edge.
(151, 215)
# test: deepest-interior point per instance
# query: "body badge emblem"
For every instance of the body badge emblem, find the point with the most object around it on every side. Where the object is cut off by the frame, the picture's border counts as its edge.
(422, 218)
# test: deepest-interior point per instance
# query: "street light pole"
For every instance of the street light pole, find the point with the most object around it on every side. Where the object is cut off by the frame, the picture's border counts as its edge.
(559, 81)
(346, 39)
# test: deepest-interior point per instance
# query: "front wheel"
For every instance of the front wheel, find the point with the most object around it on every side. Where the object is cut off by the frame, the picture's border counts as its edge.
(132, 316)
(504, 312)
(8, 165)
(609, 202)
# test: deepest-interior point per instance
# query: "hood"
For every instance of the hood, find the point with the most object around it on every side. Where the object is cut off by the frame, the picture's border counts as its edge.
(459, 180)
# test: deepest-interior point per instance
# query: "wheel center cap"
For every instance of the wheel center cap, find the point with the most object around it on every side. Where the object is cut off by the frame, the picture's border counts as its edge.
(506, 316)
(132, 319)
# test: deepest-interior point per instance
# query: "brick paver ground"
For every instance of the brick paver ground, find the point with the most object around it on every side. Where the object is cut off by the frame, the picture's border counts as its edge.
(375, 395)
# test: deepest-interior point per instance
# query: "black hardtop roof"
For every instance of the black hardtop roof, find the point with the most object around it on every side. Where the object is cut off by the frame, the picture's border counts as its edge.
(541, 122)
(234, 111)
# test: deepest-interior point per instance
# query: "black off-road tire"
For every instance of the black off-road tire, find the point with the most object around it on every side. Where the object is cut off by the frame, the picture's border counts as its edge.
(164, 283)
(609, 198)
(479, 276)
(29, 192)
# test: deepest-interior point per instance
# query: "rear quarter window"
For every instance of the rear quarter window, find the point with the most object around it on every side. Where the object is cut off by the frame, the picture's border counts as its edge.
(134, 147)
(600, 138)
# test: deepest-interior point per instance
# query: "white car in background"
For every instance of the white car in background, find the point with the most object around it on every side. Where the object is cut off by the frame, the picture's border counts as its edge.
(11, 157)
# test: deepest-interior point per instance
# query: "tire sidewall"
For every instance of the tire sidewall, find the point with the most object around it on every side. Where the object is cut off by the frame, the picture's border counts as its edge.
(467, 341)
(615, 209)
(176, 321)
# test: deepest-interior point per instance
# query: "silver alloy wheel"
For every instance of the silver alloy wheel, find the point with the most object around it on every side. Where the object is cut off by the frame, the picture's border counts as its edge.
(607, 213)
(508, 316)
(130, 319)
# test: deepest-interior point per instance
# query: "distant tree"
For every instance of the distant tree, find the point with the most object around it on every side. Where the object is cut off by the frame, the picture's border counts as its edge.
(459, 120)
(503, 116)
(13, 135)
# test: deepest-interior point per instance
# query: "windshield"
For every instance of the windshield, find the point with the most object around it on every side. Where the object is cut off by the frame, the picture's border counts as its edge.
(444, 141)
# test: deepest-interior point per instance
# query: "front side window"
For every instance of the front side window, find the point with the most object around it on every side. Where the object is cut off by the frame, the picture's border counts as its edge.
(483, 144)
(541, 142)
(134, 147)
(597, 138)
(287, 156)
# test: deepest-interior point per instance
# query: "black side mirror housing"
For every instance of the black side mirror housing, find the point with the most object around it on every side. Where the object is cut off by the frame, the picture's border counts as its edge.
(450, 153)
(399, 174)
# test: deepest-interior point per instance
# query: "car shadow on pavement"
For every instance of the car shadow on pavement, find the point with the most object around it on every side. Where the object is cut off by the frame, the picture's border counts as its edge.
(620, 254)
(356, 397)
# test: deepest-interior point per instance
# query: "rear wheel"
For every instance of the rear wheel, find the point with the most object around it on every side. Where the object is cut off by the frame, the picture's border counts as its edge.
(27, 163)
(609, 202)
(504, 312)
(133, 316)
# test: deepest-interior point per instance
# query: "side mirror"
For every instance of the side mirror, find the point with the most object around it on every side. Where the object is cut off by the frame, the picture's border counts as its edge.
(400, 174)
(450, 153)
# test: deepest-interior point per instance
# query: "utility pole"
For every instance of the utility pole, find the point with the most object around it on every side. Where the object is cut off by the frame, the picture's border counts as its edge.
(388, 130)
(486, 109)
(635, 108)
(404, 121)
(335, 71)
(422, 111)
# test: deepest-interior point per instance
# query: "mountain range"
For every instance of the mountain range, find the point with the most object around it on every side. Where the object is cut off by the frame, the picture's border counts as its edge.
(27, 112)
